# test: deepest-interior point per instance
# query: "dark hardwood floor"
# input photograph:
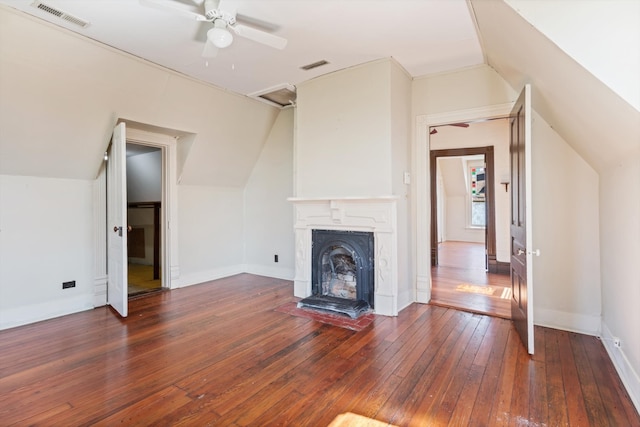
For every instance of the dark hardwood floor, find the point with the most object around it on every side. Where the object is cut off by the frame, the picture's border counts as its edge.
(220, 354)
(460, 281)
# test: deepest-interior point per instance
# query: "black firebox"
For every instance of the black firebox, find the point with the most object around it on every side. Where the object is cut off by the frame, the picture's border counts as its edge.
(342, 272)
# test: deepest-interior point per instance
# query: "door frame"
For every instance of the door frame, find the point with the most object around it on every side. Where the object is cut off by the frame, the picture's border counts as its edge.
(490, 228)
(170, 263)
(421, 191)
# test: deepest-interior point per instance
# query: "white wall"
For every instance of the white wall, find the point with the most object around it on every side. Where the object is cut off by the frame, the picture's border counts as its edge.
(144, 177)
(456, 221)
(454, 176)
(144, 184)
(441, 194)
(620, 243)
(473, 87)
(46, 237)
(211, 240)
(343, 134)
(567, 293)
(268, 215)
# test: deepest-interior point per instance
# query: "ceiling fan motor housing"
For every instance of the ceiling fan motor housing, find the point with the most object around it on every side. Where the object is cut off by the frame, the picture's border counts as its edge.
(213, 13)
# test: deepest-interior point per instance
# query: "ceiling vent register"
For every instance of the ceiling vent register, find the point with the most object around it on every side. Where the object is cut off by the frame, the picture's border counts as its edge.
(314, 65)
(60, 14)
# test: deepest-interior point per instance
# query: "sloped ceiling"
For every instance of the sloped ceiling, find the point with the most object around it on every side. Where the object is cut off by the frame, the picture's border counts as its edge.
(454, 175)
(61, 95)
(601, 35)
(423, 36)
(591, 117)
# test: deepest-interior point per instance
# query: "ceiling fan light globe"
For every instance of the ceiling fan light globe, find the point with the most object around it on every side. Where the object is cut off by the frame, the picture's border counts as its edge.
(220, 37)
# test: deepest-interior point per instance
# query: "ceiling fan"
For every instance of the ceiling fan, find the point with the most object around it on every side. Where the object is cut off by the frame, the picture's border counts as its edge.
(460, 125)
(223, 16)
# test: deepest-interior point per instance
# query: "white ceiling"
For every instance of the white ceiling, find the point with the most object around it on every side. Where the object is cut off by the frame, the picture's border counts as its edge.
(424, 36)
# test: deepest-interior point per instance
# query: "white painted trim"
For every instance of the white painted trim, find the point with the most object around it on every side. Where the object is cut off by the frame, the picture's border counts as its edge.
(422, 196)
(209, 275)
(629, 377)
(275, 272)
(469, 115)
(23, 315)
(565, 321)
(422, 213)
(100, 238)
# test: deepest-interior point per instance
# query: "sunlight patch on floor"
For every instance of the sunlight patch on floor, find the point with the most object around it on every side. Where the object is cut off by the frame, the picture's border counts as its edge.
(475, 289)
(354, 420)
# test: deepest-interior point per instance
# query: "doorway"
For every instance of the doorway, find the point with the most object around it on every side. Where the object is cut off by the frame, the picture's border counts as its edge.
(465, 271)
(144, 207)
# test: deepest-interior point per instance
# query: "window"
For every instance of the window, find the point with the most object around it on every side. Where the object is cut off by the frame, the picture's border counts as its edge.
(477, 192)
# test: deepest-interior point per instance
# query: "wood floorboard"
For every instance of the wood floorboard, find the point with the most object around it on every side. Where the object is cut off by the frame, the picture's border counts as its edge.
(460, 281)
(220, 354)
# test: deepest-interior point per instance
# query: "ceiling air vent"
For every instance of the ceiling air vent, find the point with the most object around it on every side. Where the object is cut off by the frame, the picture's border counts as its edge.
(314, 65)
(60, 14)
(281, 96)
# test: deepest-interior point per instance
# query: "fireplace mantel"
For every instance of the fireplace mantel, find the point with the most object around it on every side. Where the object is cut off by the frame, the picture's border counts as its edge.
(374, 214)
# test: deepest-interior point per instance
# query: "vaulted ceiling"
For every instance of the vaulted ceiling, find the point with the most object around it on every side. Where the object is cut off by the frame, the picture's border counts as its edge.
(57, 74)
(423, 36)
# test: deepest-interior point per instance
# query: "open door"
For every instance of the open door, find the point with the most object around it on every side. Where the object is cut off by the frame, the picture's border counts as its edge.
(521, 271)
(117, 222)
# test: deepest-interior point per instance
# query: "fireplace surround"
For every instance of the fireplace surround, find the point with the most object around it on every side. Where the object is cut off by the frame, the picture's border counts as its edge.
(376, 215)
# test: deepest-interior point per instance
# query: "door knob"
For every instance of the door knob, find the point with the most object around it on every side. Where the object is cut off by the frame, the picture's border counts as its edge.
(520, 251)
(118, 230)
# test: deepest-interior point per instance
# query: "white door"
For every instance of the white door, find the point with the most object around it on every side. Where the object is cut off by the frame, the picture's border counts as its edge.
(521, 225)
(117, 221)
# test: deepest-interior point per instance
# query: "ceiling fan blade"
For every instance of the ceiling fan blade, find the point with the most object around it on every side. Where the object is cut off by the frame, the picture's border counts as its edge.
(274, 41)
(460, 125)
(209, 50)
(171, 7)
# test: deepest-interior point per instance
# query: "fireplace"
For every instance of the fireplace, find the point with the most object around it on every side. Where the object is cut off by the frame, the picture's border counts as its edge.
(374, 217)
(342, 267)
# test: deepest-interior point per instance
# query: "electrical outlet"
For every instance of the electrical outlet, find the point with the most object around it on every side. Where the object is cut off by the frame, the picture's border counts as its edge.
(275, 258)
(616, 342)
(67, 285)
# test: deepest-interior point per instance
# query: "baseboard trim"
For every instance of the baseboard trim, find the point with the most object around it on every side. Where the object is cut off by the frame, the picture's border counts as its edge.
(100, 291)
(572, 322)
(26, 314)
(423, 289)
(268, 271)
(629, 377)
(209, 275)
